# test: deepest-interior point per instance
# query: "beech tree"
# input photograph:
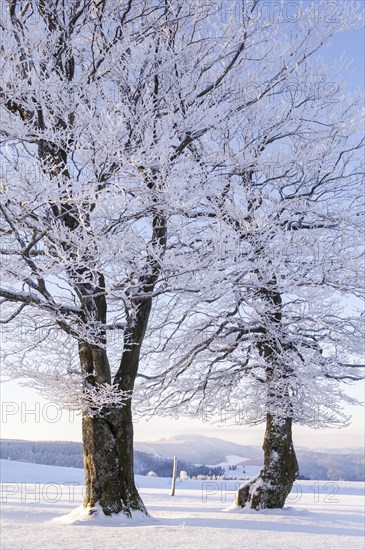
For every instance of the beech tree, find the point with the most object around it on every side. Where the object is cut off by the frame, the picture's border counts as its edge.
(102, 103)
(267, 333)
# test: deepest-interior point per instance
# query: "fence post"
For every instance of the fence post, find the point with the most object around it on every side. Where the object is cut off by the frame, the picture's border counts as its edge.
(173, 477)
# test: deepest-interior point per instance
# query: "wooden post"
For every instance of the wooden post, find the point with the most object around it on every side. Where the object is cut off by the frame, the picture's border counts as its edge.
(173, 477)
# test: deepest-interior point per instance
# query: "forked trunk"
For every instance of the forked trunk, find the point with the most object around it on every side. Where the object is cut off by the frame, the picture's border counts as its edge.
(108, 463)
(275, 481)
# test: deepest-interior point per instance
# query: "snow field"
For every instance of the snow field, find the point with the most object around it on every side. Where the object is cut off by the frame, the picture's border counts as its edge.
(41, 510)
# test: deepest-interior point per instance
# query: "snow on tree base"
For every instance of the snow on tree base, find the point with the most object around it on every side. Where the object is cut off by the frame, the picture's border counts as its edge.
(96, 516)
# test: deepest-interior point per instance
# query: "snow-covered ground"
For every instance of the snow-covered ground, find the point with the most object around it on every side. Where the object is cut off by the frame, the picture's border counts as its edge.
(242, 471)
(318, 515)
(232, 460)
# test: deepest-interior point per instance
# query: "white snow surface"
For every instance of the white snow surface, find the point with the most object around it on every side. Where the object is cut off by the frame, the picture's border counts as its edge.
(42, 509)
(233, 460)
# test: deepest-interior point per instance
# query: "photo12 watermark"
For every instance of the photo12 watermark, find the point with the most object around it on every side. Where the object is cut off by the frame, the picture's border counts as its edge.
(325, 492)
(272, 11)
(50, 492)
(37, 412)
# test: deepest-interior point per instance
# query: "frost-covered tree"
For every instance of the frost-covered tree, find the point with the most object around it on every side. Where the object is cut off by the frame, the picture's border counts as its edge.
(104, 109)
(275, 323)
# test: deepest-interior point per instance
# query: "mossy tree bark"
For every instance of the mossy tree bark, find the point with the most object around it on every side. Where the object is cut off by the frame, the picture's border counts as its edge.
(275, 480)
(108, 463)
(108, 446)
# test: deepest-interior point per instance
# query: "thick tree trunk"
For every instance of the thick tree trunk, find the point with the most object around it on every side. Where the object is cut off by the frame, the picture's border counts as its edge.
(108, 463)
(108, 446)
(275, 481)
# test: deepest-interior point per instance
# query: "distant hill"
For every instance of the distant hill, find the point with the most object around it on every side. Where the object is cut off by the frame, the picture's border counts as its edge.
(329, 466)
(193, 451)
(69, 453)
(338, 451)
(200, 449)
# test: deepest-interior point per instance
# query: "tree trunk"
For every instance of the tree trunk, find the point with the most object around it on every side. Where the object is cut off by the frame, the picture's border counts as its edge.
(275, 481)
(108, 445)
(108, 463)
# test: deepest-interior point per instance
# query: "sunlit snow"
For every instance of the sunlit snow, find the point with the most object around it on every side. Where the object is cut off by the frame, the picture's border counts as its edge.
(41, 510)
